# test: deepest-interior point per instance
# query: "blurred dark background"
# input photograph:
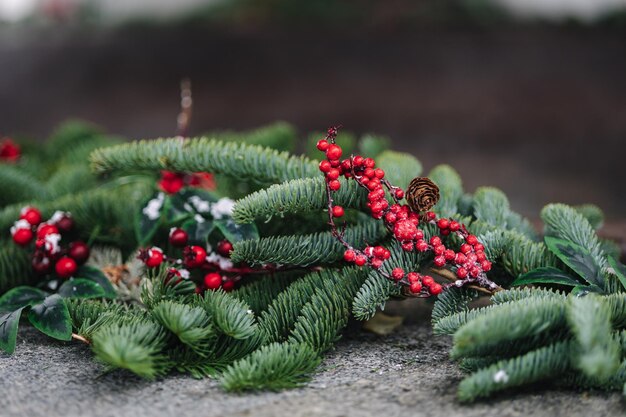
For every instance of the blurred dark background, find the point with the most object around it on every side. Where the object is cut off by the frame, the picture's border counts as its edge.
(529, 100)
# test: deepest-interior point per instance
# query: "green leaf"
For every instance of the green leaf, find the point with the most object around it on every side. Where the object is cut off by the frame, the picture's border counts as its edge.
(582, 290)
(237, 232)
(81, 288)
(546, 275)
(8, 329)
(94, 274)
(176, 209)
(198, 231)
(52, 318)
(577, 258)
(147, 220)
(619, 269)
(21, 297)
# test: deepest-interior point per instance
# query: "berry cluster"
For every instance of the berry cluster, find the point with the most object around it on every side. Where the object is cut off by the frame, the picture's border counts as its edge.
(470, 262)
(50, 256)
(172, 182)
(9, 150)
(209, 270)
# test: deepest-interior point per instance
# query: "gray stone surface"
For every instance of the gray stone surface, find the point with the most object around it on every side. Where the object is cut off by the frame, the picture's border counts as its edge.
(405, 374)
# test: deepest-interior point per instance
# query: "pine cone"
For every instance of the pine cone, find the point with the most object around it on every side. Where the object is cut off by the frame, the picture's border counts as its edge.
(422, 194)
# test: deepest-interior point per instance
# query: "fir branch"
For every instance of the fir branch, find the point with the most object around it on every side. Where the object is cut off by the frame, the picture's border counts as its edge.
(517, 294)
(305, 250)
(262, 292)
(593, 214)
(295, 196)
(17, 186)
(238, 160)
(191, 325)
(453, 301)
(541, 364)
(280, 136)
(400, 168)
(70, 179)
(274, 367)
(137, 346)
(232, 316)
(565, 222)
(450, 188)
(616, 304)
(522, 254)
(88, 316)
(15, 266)
(597, 352)
(491, 206)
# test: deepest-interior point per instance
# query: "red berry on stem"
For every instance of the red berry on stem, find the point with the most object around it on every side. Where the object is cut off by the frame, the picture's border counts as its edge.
(407, 246)
(428, 280)
(41, 265)
(397, 273)
(380, 174)
(65, 267)
(443, 223)
(224, 248)
(79, 251)
(461, 273)
(358, 161)
(465, 248)
(379, 252)
(479, 247)
(369, 163)
(360, 260)
(65, 223)
(449, 255)
(178, 237)
(333, 174)
(194, 256)
(338, 211)
(377, 263)
(325, 166)
(46, 229)
(228, 285)
(23, 236)
(421, 246)
(439, 261)
(155, 257)
(334, 185)
(431, 215)
(435, 241)
(349, 255)
(439, 250)
(399, 194)
(474, 271)
(390, 217)
(472, 240)
(454, 226)
(486, 266)
(435, 289)
(413, 277)
(334, 152)
(322, 145)
(212, 280)
(415, 287)
(31, 215)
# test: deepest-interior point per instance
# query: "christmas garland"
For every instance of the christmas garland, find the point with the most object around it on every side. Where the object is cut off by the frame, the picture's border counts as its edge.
(225, 256)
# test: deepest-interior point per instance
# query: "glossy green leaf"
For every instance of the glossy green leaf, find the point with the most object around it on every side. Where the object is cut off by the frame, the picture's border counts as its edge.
(52, 317)
(8, 329)
(94, 274)
(20, 297)
(198, 231)
(147, 220)
(578, 258)
(546, 275)
(81, 288)
(619, 269)
(237, 232)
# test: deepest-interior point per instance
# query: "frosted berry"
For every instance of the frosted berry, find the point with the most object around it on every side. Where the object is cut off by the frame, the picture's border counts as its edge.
(465, 248)
(31, 215)
(461, 273)
(377, 263)
(474, 271)
(23, 236)
(435, 289)
(65, 223)
(155, 257)
(449, 255)
(224, 248)
(472, 240)
(178, 237)
(212, 281)
(397, 274)
(399, 194)
(485, 265)
(46, 229)
(79, 251)
(439, 261)
(421, 246)
(428, 280)
(65, 267)
(413, 277)
(338, 211)
(322, 145)
(454, 226)
(405, 230)
(194, 256)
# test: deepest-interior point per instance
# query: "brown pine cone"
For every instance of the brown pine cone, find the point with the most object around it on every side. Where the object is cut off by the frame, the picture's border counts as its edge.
(422, 194)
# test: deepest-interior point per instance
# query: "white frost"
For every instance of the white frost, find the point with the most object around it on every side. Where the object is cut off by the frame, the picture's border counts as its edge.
(152, 210)
(184, 274)
(224, 207)
(58, 215)
(20, 224)
(52, 243)
(501, 377)
(200, 205)
(215, 258)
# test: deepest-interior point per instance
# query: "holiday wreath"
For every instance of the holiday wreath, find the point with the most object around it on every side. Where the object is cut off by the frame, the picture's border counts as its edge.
(229, 256)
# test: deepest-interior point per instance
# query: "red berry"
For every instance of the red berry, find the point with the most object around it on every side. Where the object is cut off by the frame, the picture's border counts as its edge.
(430, 215)
(358, 161)
(178, 237)
(439, 249)
(474, 271)
(443, 223)
(460, 259)
(454, 226)
(369, 163)
(65, 223)
(23, 236)
(377, 263)
(379, 252)
(407, 246)
(349, 255)
(390, 217)
(435, 289)
(360, 260)
(334, 185)
(421, 246)
(322, 145)
(386, 254)
(439, 261)
(337, 211)
(333, 152)
(413, 277)
(415, 287)
(333, 174)
(41, 265)
(428, 280)
(46, 229)
(194, 256)
(397, 273)
(369, 173)
(171, 182)
(399, 194)
(212, 280)
(471, 257)
(480, 256)
(155, 257)
(472, 240)
(224, 248)
(79, 251)
(465, 248)
(228, 285)
(65, 267)
(380, 174)
(325, 166)
(335, 163)
(405, 230)
(449, 255)
(485, 265)
(31, 215)
(435, 241)
(461, 273)
(479, 247)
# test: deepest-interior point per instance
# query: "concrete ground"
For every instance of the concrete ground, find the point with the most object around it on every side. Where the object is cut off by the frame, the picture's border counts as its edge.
(407, 373)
